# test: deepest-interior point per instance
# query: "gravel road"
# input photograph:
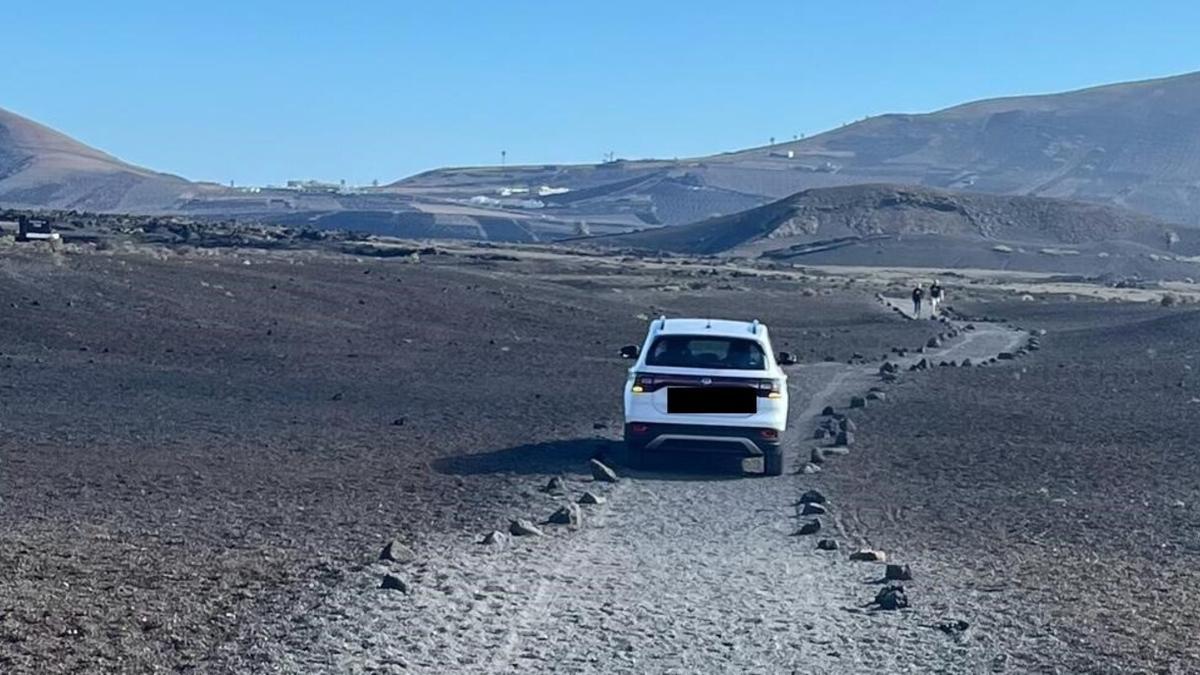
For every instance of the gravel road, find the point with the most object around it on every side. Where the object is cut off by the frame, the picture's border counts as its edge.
(680, 570)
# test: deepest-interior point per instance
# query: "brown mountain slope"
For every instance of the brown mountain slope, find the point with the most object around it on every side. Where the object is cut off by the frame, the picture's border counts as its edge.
(40, 167)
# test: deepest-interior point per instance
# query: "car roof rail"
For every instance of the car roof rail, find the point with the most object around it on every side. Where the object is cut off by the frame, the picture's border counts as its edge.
(754, 327)
(662, 322)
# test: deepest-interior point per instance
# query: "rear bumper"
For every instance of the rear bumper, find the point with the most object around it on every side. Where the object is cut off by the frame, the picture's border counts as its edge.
(727, 440)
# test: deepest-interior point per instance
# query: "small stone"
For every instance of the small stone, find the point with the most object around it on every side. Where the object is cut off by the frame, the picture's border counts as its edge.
(809, 469)
(858, 402)
(813, 496)
(599, 425)
(847, 424)
(820, 433)
(827, 545)
(876, 396)
(818, 457)
(844, 438)
(495, 538)
(827, 411)
(868, 555)
(838, 450)
(811, 509)
(811, 527)
(591, 498)
(392, 582)
(1006, 356)
(397, 552)
(556, 484)
(967, 363)
(933, 342)
(891, 597)
(896, 572)
(602, 473)
(952, 626)
(569, 514)
(523, 528)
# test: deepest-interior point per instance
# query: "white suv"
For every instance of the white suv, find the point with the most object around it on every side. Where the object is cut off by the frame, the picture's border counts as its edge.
(706, 385)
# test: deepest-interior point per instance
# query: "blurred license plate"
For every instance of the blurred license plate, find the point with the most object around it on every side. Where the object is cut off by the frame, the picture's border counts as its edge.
(699, 400)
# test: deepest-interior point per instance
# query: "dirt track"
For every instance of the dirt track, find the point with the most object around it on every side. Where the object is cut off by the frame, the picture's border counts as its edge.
(678, 572)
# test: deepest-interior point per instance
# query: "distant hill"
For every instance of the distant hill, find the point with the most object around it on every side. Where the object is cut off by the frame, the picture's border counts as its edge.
(40, 167)
(1134, 145)
(901, 225)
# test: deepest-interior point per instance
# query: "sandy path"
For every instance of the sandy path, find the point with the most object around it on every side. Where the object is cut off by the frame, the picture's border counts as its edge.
(675, 573)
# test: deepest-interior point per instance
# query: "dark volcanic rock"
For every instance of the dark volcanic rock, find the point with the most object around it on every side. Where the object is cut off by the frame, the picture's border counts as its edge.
(393, 583)
(813, 509)
(827, 545)
(569, 514)
(811, 527)
(601, 472)
(817, 456)
(556, 484)
(952, 626)
(896, 572)
(845, 438)
(858, 402)
(591, 498)
(494, 538)
(523, 528)
(891, 597)
(828, 411)
(813, 496)
(397, 552)
(868, 555)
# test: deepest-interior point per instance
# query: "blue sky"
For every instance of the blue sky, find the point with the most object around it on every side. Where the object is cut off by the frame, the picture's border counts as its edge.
(379, 90)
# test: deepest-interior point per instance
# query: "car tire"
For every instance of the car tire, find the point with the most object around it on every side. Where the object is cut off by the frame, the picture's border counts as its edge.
(635, 456)
(773, 462)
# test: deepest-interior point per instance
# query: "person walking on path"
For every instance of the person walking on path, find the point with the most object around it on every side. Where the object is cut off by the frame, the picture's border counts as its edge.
(918, 294)
(935, 298)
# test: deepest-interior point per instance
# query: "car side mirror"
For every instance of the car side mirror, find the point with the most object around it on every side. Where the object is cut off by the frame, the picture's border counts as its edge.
(787, 359)
(630, 352)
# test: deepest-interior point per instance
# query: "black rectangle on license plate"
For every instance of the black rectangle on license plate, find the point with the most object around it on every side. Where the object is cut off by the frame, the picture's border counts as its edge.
(739, 400)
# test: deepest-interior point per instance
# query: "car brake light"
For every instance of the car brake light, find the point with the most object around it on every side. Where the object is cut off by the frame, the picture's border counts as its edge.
(642, 383)
(770, 388)
(769, 434)
(639, 428)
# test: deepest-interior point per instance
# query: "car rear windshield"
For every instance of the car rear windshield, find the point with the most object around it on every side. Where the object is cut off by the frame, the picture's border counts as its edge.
(704, 351)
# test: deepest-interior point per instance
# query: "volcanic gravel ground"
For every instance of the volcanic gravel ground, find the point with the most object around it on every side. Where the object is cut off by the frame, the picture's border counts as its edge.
(1054, 503)
(193, 446)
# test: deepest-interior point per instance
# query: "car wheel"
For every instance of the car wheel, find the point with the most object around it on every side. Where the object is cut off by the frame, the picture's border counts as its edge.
(635, 456)
(773, 462)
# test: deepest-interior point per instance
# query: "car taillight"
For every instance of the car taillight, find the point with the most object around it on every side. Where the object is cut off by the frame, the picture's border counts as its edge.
(642, 383)
(769, 434)
(639, 428)
(770, 388)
